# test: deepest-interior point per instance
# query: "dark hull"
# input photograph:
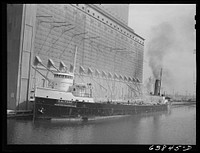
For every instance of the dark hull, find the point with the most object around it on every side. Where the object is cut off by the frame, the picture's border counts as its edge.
(52, 108)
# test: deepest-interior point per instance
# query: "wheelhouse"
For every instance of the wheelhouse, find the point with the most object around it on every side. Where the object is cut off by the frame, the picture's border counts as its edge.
(63, 81)
(63, 76)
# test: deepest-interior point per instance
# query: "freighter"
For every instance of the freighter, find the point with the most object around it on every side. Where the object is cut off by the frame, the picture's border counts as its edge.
(67, 99)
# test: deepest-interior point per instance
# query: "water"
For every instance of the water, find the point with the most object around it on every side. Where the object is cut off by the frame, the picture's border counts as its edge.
(176, 126)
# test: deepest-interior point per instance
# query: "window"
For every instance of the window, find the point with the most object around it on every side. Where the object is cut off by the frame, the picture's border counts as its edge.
(88, 11)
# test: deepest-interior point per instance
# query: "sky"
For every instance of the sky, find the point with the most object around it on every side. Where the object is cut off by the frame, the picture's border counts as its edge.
(170, 41)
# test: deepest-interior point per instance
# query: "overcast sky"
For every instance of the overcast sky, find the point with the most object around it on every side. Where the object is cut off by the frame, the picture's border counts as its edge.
(170, 39)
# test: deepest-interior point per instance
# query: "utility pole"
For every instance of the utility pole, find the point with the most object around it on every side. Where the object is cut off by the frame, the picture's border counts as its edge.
(194, 52)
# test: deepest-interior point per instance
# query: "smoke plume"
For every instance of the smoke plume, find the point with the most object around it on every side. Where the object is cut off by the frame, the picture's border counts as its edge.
(169, 45)
(161, 43)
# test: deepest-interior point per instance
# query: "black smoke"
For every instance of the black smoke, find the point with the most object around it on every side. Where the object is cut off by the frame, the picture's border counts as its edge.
(161, 42)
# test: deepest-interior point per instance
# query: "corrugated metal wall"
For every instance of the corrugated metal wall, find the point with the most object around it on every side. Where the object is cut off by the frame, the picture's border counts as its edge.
(102, 44)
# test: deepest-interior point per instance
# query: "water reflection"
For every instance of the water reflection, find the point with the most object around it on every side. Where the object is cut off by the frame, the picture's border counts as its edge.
(177, 126)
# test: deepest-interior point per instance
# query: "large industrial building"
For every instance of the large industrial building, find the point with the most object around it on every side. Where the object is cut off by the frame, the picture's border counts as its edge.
(109, 53)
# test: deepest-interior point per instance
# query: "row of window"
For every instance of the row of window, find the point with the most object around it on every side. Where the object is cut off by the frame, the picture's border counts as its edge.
(63, 76)
(111, 31)
(113, 25)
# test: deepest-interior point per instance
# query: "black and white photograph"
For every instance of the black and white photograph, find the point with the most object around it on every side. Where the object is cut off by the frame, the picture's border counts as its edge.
(102, 74)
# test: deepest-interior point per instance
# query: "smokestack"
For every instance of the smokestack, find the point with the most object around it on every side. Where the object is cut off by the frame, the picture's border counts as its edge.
(157, 88)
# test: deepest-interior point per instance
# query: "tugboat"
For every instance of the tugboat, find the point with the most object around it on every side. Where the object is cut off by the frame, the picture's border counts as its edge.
(66, 99)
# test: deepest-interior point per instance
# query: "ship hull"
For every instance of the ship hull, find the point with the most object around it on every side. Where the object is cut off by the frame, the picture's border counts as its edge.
(46, 108)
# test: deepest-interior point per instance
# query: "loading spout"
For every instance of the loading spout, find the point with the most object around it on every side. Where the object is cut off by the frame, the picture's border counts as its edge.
(41, 74)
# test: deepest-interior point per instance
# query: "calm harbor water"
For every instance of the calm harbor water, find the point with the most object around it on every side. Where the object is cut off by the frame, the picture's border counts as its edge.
(176, 126)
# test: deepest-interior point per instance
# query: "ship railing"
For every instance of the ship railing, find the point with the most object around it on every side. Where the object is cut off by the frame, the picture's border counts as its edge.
(82, 95)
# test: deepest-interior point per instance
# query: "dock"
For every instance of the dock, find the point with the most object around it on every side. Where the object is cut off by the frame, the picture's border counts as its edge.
(19, 113)
(183, 103)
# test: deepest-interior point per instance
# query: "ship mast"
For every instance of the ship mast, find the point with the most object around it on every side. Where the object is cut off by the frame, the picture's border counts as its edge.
(74, 67)
(76, 48)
